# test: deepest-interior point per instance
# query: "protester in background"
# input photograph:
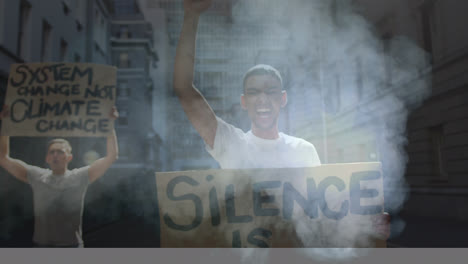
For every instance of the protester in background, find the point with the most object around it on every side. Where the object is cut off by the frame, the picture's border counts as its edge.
(58, 193)
(263, 98)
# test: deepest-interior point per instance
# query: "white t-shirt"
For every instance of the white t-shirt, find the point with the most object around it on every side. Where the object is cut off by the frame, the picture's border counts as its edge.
(234, 149)
(58, 205)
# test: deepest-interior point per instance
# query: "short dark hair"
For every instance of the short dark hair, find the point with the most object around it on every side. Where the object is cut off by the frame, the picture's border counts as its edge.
(61, 141)
(262, 69)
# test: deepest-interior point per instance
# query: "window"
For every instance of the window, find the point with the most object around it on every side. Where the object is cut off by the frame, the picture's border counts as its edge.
(124, 62)
(80, 14)
(123, 89)
(23, 33)
(212, 81)
(123, 117)
(102, 35)
(77, 57)
(212, 78)
(128, 92)
(45, 44)
(66, 7)
(124, 151)
(437, 143)
(79, 26)
(121, 85)
(100, 31)
(124, 32)
(362, 153)
(124, 7)
(428, 25)
(339, 155)
(63, 50)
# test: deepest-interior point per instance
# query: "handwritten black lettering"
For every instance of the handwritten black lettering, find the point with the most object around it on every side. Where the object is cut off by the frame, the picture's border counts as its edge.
(23, 114)
(356, 193)
(86, 125)
(64, 74)
(105, 92)
(259, 198)
(340, 186)
(92, 106)
(77, 104)
(194, 198)
(22, 71)
(103, 125)
(251, 237)
(87, 72)
(56, 72)
(231, 208)
(309, 205)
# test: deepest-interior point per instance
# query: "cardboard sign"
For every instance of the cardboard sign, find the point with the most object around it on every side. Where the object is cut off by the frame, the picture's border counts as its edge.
(326, 206)
(60, 99)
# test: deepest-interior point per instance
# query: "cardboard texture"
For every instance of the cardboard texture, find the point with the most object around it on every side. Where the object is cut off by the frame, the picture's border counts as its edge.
(326, 206)
(60, 99)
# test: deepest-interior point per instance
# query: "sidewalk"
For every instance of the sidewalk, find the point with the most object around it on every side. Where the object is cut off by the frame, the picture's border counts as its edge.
(418, 232)
(125, 233)
(425, 232)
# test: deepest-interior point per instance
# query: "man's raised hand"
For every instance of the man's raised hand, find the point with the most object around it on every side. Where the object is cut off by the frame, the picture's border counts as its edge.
(114, 114)
(196, 6)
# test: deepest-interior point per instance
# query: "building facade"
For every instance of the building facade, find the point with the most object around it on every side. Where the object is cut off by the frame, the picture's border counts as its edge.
(134, 56)
(434, 137)
(131, 182)
(156, 17)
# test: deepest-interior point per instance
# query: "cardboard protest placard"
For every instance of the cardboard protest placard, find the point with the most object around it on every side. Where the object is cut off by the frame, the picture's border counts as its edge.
(60, 99)
(326, 206)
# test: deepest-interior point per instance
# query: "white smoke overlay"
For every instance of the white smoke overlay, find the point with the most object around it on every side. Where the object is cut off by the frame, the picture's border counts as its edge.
(322, 40)
(324, 44)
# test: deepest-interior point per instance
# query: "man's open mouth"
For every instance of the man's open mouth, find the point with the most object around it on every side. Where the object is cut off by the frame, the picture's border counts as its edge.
(264, 112)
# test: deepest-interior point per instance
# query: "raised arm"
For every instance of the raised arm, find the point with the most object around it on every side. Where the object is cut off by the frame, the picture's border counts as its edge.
(100, 166)
(194, 104)
(15, 167)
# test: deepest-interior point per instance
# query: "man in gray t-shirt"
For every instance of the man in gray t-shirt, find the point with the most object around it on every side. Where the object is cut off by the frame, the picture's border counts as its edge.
(58, 193)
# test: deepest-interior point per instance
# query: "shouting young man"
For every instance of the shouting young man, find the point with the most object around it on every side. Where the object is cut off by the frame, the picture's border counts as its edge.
(263, 98)
(58, 193)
